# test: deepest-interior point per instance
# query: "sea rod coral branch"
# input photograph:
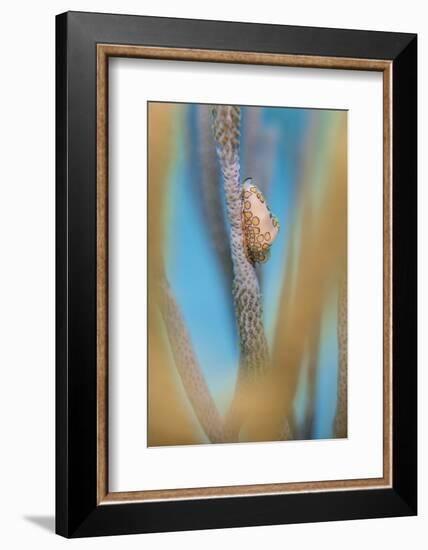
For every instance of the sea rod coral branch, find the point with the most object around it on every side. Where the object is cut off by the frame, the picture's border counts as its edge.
(188, 367)
(209, 192)
(246, 291)
(254, 358)
(341, 419)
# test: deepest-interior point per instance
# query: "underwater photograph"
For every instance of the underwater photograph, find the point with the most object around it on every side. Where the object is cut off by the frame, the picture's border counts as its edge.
(247, 274)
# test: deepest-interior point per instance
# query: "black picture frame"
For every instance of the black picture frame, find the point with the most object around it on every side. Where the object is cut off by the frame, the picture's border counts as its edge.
(77, 511)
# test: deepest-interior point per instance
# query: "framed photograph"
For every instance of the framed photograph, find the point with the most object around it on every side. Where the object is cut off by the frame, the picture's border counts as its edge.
(236, 274)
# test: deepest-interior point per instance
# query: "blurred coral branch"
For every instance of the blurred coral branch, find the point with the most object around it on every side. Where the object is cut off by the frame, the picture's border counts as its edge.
(260, 149)
(322, 248)
(309, 420)
(187, 365)
(209, 190)
(341, 419)
(170, 424)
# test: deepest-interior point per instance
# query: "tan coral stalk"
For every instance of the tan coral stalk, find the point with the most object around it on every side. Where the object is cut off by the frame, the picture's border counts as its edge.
(209, 192)
(246, 292)
(341, 419)
(188, 367)
(161, 129)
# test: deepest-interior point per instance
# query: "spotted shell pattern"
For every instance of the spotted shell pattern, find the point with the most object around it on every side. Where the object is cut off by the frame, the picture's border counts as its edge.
(259, 224)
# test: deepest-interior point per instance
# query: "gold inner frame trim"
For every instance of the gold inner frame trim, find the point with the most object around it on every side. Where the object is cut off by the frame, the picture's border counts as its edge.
(104, 51)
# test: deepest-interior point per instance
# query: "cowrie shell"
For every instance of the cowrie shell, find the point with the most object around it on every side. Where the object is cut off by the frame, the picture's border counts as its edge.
(259, 225)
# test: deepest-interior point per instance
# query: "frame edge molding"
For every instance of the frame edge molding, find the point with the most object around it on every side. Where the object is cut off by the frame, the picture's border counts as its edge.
(77, 512)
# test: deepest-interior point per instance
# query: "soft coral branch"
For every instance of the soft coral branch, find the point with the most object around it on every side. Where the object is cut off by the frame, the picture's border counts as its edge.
(246, 291)
(190, 372)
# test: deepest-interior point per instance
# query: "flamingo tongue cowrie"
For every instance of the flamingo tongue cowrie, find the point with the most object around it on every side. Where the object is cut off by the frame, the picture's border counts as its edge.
(259, 225)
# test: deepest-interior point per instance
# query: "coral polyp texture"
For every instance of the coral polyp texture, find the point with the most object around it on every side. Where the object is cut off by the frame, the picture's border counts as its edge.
(246, 291)
(247, 322)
